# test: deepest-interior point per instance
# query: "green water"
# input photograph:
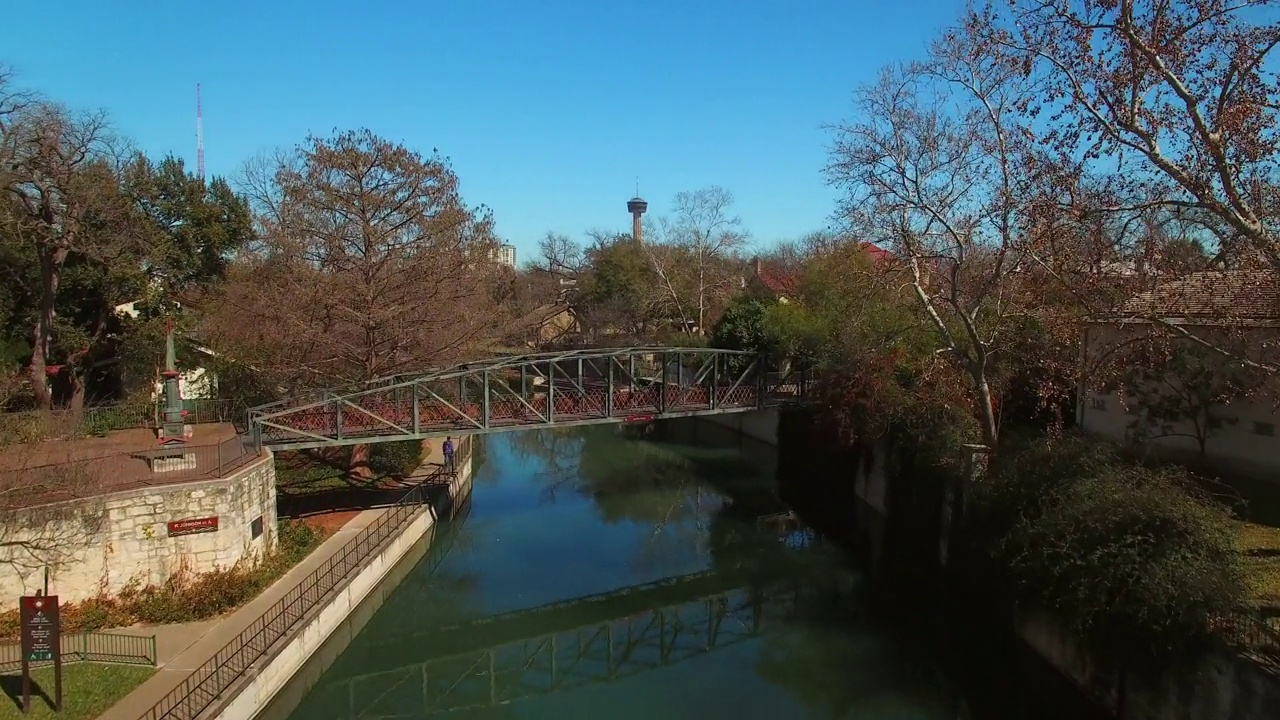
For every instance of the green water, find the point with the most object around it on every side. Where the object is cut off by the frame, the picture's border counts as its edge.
(597, 576)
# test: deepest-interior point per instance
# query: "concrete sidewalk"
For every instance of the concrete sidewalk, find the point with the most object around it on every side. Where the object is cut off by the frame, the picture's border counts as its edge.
(180, 649)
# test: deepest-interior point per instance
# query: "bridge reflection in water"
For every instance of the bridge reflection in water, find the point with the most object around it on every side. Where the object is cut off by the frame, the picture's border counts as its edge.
(542, 609)
(568, 659)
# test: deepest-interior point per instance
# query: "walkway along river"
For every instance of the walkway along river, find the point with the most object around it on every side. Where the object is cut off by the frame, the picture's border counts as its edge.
(602, 575)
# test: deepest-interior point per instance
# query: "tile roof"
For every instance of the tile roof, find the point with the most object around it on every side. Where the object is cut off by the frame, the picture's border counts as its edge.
(1225, 294)
(783, 281)
(876, 253)
(775, 281)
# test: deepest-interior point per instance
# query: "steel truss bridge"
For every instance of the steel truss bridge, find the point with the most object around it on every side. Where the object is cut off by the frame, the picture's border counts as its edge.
(568, 659)
(529, 391)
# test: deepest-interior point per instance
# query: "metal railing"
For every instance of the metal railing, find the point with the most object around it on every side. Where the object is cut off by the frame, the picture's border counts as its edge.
(36, 425)
(90, 647)
(212, 459)
(207, 683)
(1257, 635)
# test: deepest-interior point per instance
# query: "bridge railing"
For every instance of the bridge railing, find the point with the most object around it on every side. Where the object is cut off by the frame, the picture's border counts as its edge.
(504, 393)
(565, 659)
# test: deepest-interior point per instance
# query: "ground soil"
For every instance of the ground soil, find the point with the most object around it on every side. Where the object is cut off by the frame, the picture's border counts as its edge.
(331, 522)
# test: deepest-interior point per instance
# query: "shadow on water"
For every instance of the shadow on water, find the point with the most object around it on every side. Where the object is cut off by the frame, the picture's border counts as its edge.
(1000, 677)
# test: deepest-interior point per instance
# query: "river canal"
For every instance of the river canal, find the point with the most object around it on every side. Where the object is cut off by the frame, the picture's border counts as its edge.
(598, 575)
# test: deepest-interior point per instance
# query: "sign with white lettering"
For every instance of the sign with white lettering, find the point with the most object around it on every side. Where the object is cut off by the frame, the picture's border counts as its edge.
(178, 528)
(41, 642)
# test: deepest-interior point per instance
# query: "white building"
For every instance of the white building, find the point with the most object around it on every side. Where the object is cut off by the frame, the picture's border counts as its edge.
(1238, 310)
(504, 254)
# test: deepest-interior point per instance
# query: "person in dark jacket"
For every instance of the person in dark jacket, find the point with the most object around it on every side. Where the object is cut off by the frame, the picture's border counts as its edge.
(447, 449)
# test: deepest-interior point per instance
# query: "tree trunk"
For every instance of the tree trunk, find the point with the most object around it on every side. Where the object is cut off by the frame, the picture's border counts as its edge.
(986, 408)
(51, 260)
(77, 393)
(39, 379)
(358, 466)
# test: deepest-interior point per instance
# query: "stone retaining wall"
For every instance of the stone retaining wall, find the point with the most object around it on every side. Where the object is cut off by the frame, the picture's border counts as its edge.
(99, 545)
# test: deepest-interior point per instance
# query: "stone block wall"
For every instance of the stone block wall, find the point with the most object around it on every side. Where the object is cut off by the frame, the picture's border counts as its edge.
(98, 545)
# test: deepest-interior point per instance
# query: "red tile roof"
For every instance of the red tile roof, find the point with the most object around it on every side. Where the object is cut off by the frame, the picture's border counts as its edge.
(876, 253)
(783, 281)
(776, 281)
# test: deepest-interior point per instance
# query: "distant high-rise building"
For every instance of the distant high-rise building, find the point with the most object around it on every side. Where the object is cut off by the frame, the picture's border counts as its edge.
(504, 254)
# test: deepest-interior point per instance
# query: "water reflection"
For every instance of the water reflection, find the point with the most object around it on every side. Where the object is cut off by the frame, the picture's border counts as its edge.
(602, 575)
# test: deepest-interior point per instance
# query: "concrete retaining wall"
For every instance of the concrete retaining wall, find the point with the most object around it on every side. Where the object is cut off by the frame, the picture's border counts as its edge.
(761, 425)
(1220, 686)
(344, 615)
(96, 546)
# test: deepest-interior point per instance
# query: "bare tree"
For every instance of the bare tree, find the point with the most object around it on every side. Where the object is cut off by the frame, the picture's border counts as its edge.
(372, 266)
(936, 170)
(560, 256)
(696, 255)
(1174, 100)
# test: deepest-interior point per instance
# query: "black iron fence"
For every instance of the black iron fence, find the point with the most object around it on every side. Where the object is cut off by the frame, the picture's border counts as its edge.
(1257, 635)
(91, 647)
(203, 687)
(37, 425)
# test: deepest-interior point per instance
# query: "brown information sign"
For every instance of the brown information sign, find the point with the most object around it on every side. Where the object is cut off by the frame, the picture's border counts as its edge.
(195, 526)
(40, 643)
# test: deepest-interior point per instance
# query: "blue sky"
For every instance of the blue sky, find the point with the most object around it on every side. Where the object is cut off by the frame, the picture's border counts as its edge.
(549, 110)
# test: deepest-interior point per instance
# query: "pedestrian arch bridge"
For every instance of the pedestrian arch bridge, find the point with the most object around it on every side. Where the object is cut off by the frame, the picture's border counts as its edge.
(515, 392)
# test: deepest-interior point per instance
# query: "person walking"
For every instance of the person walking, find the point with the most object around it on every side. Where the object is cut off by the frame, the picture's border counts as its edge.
(447, 449)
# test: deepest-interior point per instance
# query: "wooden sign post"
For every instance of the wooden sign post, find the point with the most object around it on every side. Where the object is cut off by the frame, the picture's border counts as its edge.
(41, 642)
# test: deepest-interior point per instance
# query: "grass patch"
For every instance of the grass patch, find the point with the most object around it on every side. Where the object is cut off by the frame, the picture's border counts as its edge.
(1260, 545)
(299, 477)
(88, 689)
(186, 597)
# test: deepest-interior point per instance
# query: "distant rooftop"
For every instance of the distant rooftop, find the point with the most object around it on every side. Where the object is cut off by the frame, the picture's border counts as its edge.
(1213, 294)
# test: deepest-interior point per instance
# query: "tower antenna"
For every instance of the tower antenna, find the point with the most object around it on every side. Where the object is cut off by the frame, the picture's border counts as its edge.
(199, 136)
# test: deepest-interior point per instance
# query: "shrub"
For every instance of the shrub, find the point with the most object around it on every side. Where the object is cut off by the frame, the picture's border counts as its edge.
(1132, 558)
(395, 458)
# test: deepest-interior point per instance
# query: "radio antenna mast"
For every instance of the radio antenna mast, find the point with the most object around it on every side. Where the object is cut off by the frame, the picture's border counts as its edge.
(199, 136)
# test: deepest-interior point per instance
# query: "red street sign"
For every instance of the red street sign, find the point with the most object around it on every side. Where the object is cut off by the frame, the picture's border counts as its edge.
(637, 418)
(194, 526)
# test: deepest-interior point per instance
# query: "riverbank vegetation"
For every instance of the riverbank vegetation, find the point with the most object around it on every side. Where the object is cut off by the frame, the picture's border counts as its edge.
(996, 280)
(1134, 558)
